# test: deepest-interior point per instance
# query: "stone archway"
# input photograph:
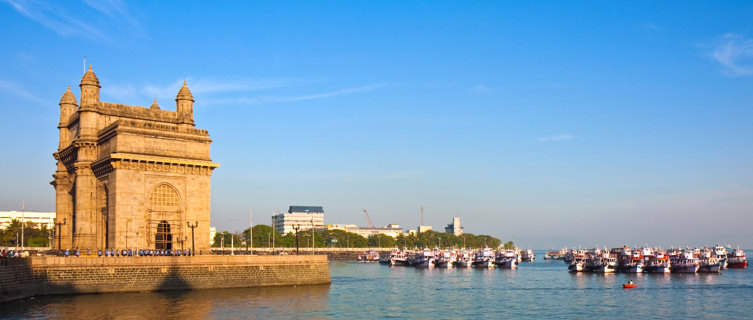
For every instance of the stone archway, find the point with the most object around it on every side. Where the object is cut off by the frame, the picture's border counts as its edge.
(164, 217)
(164, 238)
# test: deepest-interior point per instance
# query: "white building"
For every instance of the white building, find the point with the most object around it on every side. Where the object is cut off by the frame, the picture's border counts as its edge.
(454, 227)
(422, 229)
(303, 217)
(392, 230)
(35, 219)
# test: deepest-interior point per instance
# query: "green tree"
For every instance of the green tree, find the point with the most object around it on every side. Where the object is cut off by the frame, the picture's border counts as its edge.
(381, 241)
(509, 245)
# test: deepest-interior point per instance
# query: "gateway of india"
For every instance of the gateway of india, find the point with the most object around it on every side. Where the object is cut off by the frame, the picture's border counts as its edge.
(129, 176)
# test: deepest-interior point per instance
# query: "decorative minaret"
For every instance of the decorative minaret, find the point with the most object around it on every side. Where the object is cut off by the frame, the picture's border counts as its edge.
(68, 106)
(85, 144)
(62, 180)
(184, 101)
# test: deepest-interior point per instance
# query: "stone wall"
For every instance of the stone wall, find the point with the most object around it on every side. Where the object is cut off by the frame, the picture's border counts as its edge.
(25, 277)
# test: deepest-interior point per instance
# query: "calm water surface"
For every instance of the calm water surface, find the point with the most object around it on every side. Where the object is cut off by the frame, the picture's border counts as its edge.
(535, 290)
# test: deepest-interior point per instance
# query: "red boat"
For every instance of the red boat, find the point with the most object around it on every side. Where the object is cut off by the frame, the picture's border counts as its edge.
(737, 260)
(628, 285)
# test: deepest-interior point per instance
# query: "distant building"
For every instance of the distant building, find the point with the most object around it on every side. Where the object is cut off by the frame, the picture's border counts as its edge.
(35, 219)
(212, 233)
(454, 227)
(344, 227)
(392, 230)
(422, 229)
(305, 217)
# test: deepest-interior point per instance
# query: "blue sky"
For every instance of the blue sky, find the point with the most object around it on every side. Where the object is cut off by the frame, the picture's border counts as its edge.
(547, 123)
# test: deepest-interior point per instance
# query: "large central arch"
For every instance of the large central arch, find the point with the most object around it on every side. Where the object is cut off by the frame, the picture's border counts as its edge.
(164, 217)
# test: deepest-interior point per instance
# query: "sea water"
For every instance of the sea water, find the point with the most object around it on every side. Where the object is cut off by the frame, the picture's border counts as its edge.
(542, 289)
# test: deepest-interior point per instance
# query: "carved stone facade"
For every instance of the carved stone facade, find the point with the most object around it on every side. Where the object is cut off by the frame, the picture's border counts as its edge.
(129, 176)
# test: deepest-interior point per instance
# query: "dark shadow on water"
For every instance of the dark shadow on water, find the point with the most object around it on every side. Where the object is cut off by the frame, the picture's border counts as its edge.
(240, 303)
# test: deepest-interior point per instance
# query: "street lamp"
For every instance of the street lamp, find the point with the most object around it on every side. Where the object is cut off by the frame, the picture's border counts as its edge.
(312, 237)
(296, 227)
(59, 225)
(193, 244)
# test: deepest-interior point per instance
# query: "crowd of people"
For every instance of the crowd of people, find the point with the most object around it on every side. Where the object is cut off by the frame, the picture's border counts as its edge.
(129, 253)
(10, 254)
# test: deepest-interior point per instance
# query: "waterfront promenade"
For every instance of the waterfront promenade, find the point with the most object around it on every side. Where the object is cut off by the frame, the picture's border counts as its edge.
(46, 275)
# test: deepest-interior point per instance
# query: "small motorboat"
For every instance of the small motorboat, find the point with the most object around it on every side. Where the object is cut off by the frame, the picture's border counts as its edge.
(628, 285)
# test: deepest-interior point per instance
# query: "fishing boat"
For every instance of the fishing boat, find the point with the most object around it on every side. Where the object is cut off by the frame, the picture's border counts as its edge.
(506, 259)
(446, 259)
(721, 254)
(464, 259)
(370, 256)
(527, 256)
(577, 264)
(608, 263)
(658, 263)
(709, 264)
(425, 259)
(737, 260)
(398, 258)
(484, 258)
(684, 262)
(556, 255)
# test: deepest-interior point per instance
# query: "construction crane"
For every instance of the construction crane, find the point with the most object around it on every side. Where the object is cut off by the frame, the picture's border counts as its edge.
(371, 225)
(422, 215)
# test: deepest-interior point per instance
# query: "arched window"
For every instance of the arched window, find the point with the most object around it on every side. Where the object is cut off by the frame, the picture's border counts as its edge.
(164, 196)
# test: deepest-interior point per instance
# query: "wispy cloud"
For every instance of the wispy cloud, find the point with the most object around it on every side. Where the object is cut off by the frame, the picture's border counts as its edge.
(80, 23)
(735, 54)
(480, 89)
(216, 91)
(277, 99)
(208, 86)
(18, 91)
(117, 10)
(557, 138)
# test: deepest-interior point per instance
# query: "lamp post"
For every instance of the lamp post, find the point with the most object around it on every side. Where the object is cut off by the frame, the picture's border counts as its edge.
(296, 227)
(193, 244)
(251, 229)
(312, 237)
(59, 225)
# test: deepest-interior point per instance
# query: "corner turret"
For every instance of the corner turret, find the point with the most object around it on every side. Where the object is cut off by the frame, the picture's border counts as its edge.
(184, 100)
(68, 106)
(89, 88)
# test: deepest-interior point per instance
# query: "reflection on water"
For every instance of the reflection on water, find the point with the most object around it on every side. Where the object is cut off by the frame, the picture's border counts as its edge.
(261, 303)
(535, 290)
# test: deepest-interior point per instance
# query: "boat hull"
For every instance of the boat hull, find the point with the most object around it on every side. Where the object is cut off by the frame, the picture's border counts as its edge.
(657, 269)
(634, 268)
(737, 265)
(710, 268)
(483, 264)
(684, 269)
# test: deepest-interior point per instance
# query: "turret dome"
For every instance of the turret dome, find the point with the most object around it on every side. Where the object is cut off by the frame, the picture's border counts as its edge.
(184, 93)
(90, 78)
(155, 106)
(68, 97)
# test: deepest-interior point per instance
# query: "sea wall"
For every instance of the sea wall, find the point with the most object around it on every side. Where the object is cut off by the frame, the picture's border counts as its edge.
(25, 277)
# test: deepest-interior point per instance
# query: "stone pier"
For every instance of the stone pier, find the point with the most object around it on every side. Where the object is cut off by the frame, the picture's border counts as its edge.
(26, 277)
